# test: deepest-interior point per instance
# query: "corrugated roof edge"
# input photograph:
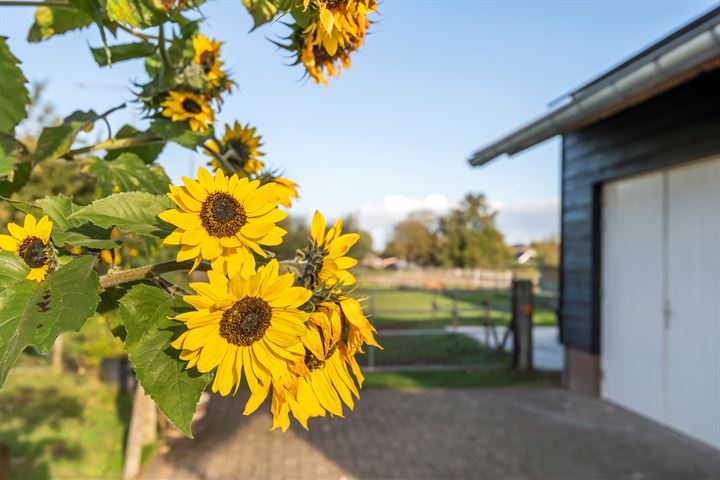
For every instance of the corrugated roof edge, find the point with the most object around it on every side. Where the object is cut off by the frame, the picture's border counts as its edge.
(682, 55)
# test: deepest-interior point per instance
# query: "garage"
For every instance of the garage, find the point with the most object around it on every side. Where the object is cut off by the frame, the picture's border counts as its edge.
(660, 330)
(639, 303)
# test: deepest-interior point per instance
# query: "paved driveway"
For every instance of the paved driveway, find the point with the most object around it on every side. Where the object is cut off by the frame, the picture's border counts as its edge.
(509, 433)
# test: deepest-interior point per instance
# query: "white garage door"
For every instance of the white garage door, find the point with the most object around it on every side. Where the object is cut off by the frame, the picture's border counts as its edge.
(660, 332)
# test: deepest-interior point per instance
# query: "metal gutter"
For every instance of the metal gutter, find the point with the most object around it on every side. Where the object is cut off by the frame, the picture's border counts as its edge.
(675, 59)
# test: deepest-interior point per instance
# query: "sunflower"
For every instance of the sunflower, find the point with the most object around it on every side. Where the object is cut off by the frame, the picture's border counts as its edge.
(359, 329)
(32, 243)
(207, 55)
(340, 22)
(323, 382)
(326, 258)
(285, 191)
(240, 145)
(251, 324)
(181, 106)
(325, 46)
(223, 220)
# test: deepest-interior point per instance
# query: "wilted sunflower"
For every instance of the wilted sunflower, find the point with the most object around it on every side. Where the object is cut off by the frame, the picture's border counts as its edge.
(325, 46)
(325, 257)
(181, 106)
(223, 219)
(240, 146)
(339, 22)
(244, 324)
(323, 382)
(32, 243)
(207, 55)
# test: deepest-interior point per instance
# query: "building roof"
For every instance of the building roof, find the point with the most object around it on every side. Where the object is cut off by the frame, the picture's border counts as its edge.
(677, 58)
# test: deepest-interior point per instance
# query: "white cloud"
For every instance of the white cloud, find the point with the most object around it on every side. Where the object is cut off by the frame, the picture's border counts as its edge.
(520, 222)
(524, 222)
(379, 218)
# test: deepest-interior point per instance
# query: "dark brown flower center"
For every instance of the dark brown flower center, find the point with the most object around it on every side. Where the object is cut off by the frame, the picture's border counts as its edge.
(207, 60)
(313, 363)
(191, 106)
(222, 215)
(246, 321)
(240, 149)
(33, 251)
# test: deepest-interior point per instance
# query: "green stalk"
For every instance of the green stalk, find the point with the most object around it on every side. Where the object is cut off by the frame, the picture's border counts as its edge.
(148, 272)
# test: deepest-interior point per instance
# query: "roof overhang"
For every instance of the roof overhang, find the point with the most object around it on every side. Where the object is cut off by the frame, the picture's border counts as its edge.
(685, 54)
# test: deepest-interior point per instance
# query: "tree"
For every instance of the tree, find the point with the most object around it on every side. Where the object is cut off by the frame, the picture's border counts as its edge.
(364, 246)
(298, 236)
(414, 240)
(469, 237)
(548, 252)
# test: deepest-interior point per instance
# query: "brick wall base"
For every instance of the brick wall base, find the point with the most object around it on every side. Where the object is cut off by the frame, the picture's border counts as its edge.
(582, 372)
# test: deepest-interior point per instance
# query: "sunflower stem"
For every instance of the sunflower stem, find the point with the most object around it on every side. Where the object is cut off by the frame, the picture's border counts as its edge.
(147, 272)
(224, 164)
(115, 143)
(143, 36)
(50, 3)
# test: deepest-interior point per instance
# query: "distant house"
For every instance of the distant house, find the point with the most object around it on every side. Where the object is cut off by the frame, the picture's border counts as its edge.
(640, 264)
(523, 253)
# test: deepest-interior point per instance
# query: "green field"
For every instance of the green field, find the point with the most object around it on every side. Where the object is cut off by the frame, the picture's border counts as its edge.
(62, 426)
(461, 379)
(394, 309)
(450, 349)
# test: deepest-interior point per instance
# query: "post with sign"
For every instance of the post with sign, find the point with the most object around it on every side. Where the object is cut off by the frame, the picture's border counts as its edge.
(521, 325)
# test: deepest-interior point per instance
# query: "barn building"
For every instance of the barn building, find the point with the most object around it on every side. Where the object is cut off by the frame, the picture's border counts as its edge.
(639, 299)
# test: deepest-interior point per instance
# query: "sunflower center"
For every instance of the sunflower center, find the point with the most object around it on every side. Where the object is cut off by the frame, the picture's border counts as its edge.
(222, 215)
(207, 60)
(312, 362)
(240, 149)
(246, 321)
(191, 106)
(32, 250)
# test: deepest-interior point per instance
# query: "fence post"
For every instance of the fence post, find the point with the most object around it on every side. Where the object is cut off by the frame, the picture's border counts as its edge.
(522, 324)
(4, 461)
(455, 319)
(143, 419)
(370, 349)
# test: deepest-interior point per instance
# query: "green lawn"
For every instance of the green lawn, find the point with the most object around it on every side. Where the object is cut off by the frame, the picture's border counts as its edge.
(394, 309)
(461, 379)
(450, 349)
(62, 426)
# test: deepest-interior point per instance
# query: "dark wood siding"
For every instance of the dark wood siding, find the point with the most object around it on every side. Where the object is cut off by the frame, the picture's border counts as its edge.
(678, 126)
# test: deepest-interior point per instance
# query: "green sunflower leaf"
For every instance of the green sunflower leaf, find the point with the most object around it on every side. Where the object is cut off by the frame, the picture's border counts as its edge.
(180, 133)
(145, 310)
(127, 173)
(148, 153)
(72, 231)
(51, 21)
(25, 207)
(20, 177)
(121, 53)
(11, 152)
(34, 314)
(137, 13)
(132, 212)
(54, 142)
(14, 95)
(262, 11)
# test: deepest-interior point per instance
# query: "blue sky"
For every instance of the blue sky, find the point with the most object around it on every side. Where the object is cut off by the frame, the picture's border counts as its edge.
(436, 80)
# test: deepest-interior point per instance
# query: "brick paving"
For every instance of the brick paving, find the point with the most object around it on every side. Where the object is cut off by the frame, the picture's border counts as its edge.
(508, 433)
